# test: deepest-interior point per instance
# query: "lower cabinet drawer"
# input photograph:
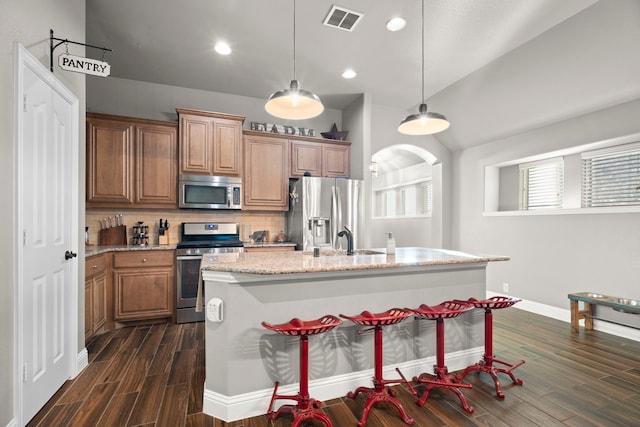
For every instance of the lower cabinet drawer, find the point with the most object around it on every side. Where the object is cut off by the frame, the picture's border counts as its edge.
(143, 259)
(95, 265)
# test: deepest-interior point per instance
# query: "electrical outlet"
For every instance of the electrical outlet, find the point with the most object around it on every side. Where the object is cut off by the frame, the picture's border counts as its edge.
(505, 287)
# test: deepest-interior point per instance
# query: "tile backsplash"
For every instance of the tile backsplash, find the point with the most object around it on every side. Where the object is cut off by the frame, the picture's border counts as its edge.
(249, 222)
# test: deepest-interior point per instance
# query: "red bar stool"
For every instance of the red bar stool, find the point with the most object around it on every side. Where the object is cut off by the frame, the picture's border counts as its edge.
(380, 392)
(487, 361)
(442, 378)
(306, 406)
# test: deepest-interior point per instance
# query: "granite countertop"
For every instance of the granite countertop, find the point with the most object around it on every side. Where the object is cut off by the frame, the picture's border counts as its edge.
(304, 262)
(267, 244)
(98, 250)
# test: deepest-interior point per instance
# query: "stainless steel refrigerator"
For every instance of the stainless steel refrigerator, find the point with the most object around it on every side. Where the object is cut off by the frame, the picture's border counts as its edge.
(320, 208)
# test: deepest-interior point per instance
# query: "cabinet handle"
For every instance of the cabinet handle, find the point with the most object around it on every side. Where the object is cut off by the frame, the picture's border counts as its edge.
(144, 260)
(94, 266)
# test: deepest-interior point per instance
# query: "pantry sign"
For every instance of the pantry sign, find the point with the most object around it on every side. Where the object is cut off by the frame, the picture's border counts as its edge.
(79, 64)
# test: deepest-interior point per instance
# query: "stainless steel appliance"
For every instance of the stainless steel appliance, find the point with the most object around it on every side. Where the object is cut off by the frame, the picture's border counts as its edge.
(198, 239)
(209, 192)
(320, 208)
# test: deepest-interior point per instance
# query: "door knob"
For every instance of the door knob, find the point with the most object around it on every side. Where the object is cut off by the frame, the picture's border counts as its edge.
(69, 255)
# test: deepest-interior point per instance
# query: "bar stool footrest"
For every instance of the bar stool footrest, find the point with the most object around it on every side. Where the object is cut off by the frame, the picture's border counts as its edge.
(486, 365)
(379, 394)
(447, 381)
(300, 415)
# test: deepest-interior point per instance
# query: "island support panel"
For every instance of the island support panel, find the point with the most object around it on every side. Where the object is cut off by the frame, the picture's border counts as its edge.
(243, 360)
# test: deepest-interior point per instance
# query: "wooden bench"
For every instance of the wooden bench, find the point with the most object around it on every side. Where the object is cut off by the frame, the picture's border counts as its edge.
(589, 299)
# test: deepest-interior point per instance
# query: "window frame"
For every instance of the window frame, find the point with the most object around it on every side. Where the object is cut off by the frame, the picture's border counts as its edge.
(492, 168)
(380, 212)
(548, 179)
(612, 180)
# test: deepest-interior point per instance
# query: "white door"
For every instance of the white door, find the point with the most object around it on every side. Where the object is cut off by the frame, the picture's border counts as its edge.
(47, 230)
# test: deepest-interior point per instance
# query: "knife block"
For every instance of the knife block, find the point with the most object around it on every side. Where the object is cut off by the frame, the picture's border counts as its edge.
(114, 236)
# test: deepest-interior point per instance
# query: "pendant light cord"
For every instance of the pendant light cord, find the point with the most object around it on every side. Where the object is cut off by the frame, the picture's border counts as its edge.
(422, 52)
(294, 39)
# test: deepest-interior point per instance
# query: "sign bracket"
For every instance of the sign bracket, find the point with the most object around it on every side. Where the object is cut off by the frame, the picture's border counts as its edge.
(53, 47)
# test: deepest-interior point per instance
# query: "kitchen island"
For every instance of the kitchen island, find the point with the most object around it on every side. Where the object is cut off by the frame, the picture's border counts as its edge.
(243, 359)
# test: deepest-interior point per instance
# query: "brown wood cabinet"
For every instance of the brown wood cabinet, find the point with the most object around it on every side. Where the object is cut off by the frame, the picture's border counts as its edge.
(335, 160)
(326, 159)
(210, 143)
(96, 302)
(131, 163)
(143, 285)
(266, 173)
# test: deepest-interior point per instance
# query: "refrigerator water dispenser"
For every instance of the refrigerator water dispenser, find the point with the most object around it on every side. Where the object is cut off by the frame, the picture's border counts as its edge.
(320, 229)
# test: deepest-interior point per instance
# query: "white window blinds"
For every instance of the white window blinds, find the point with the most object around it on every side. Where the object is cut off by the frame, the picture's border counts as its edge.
(611, 177)
(542, 184)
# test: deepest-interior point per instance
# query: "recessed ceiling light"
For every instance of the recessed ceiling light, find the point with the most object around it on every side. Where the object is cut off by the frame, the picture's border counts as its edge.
(223, 48)
(396, 23)
(349, 74)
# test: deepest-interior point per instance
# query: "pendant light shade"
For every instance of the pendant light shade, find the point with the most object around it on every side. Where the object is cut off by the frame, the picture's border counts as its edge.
(425, 122)
(294, 103)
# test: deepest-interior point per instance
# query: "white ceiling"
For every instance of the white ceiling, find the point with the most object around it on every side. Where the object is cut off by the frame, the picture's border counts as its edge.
(171, 42)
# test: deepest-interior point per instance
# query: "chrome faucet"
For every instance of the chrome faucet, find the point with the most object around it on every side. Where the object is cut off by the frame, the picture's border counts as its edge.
(349, 235)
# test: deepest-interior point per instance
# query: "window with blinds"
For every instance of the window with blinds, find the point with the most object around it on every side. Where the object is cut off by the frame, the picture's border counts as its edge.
(542, 184)
(611, 177)
(405, 200)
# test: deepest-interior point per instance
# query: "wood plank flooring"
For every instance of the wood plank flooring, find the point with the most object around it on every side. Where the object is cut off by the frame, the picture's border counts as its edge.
(154, 376)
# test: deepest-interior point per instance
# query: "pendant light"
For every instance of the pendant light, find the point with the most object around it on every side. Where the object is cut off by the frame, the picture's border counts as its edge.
(425, 122)
(294, 103)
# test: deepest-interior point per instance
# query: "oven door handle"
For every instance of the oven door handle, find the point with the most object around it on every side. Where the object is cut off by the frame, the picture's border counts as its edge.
(188, 257)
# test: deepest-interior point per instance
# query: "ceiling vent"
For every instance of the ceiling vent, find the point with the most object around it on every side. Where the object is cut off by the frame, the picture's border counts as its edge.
(345, 19)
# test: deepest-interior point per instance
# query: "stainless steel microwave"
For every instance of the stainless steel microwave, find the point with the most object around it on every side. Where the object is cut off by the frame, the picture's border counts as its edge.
(209, 192)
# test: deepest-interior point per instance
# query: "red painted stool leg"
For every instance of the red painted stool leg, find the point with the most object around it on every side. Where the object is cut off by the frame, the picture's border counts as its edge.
(379, 392)
(486, 364)
(306, 407)
(442, 378)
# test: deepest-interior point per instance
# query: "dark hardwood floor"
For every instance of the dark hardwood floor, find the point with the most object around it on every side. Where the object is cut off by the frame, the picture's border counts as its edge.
(154, 376)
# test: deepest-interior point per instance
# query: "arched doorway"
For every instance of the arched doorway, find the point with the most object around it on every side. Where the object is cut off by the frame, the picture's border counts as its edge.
(406, 196)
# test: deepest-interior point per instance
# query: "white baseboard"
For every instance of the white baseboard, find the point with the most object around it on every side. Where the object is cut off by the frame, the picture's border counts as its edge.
(565, 316)
(233, 408)
(13, 423)
(82, 361)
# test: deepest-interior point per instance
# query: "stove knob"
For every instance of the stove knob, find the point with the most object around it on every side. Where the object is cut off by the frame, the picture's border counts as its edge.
(188, 251)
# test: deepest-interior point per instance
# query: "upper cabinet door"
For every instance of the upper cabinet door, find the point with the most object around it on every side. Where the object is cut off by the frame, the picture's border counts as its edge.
(227, 147)
(266, 174)
(196, 145)
(306, 157)
(131, 162)
(335, 161)
(157, 167)
(210, 143)
(109, 163)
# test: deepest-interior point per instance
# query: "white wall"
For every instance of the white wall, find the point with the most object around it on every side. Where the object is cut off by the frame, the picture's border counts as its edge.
(551, 255)
(586, 63)
(427, 232)
(28, 22)
(156, 101)
(575, 84)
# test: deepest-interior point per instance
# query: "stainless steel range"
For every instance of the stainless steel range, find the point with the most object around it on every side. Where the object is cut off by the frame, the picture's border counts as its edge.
(198, 239)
